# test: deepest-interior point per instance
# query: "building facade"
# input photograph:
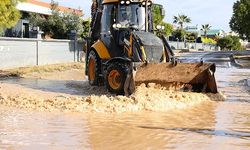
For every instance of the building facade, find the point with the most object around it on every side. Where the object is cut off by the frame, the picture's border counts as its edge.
(212, 33)
(23, 28)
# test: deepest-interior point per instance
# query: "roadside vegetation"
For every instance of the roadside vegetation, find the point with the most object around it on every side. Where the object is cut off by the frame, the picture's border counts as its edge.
(181, 20)
(191, 37)
(60, 24)
(205, 28)
(240, 21)
(158, 20)
(45, 68)
(230, 43)
(9, 13)
(179, 34)
(208, 40)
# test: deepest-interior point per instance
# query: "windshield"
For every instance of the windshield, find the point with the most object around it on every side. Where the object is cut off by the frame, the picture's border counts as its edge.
(132, 15)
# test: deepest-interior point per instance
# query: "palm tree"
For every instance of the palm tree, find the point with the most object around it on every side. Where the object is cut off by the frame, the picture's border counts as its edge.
(205, 29)
(181, 20)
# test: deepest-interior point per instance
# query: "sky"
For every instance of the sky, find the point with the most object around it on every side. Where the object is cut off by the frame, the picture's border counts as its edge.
(217, 13)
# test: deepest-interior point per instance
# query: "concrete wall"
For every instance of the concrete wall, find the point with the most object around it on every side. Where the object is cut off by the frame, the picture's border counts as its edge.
(16, 52)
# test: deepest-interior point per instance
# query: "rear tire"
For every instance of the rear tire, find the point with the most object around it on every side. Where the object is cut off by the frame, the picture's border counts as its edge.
(115, 78)
(94, 68)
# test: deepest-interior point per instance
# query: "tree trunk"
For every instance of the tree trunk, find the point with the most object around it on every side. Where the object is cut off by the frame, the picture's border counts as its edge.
(181, 25)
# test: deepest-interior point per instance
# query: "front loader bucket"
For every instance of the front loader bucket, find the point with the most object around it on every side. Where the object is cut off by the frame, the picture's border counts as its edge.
(196, 77)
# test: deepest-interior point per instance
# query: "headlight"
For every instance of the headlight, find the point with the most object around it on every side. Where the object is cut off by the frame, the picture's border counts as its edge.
(118, 25)
(122, 2)
(149, 3)
(158, 27)
(135, 26)
(114, 26)
(127, 2)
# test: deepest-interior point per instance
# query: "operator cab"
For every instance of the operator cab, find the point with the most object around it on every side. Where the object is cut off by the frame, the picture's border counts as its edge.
(131, 16)
(126, 15)
(119, 19)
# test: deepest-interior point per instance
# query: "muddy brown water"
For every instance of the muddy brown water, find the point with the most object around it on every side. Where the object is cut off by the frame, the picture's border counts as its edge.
(213, 125)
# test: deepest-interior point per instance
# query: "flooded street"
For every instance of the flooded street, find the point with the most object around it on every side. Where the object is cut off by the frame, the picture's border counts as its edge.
(35, 130)
(209, 125)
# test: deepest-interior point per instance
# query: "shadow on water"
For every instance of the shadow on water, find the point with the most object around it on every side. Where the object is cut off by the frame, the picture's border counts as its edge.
(238, 134)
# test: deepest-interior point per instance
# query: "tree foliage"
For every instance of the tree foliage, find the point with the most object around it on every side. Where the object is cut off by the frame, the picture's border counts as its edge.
(158, 20)
(59, 24)
(240, 21)
(179, 34)
(157, 15)
(9, 15)
(191, 37)
(205, 28)
(86, 28)
(208, 40)
(181, 20)
(168, 28)
(236, 43)
(230, 43)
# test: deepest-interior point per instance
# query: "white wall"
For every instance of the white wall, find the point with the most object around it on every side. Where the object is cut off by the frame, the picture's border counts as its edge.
(16, 52)
(28, 7)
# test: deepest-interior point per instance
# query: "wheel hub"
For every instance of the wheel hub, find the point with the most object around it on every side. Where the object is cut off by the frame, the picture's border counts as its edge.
(114, 79)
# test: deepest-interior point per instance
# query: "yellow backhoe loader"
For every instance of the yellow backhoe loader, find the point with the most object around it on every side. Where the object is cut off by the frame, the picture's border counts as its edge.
(123, 51)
